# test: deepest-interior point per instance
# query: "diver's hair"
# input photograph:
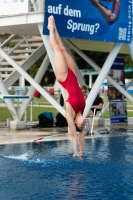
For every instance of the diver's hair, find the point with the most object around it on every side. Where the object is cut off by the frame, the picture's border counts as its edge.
(79, 129)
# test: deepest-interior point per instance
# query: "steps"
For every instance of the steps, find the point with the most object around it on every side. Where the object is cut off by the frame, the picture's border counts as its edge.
(23, 49)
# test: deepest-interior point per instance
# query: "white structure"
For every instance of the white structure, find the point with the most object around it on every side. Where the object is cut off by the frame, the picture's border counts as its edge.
(25, 31)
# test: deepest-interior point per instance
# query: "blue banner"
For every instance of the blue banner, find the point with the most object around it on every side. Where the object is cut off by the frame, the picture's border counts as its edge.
(117, 101)
(102, 20)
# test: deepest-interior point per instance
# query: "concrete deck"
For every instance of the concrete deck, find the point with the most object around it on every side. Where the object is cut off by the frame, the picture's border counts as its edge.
(30, 134)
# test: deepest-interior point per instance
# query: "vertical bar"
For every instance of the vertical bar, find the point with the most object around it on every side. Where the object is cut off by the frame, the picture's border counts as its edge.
(31, 110)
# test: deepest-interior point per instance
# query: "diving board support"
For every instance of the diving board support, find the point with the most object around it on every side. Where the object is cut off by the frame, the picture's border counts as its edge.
(26, 65)
(7, 41)
(37, 78)
(8, 103)
(104, 109)
(32, 82)
(90, 80)
(16, 124)
(129, 84)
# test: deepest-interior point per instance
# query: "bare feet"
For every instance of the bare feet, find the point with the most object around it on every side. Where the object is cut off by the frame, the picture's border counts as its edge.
(75, 155)
(78, 156)
(80, 153)
(51, 23)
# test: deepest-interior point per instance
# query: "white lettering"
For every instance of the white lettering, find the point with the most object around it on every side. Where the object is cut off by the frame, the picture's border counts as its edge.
(50, 10)
(69, 26)
(73, 26)
(71, 12)
(92, 28)
(55, 9)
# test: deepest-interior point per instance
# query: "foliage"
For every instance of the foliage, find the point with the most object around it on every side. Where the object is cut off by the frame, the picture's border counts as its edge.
(128, 64)
(98, 57)
(34, 69)
(128, 61)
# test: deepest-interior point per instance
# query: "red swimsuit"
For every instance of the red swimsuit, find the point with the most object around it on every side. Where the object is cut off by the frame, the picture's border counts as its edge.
(75, 97)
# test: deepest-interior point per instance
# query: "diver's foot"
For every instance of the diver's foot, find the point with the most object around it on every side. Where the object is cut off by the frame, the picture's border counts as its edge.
(51, 23)
(80, 153)
(75, 155)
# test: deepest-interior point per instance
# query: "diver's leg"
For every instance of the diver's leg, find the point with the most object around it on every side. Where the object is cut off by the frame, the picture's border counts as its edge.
(56, 41)
(81, 142)
(71, 124)
(69, 59)
(61, 68)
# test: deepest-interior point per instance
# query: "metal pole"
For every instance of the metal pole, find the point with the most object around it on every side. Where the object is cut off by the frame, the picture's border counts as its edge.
(130, 83)
(8, 103)
(34, 5)
(103, 73)
(37, 78)
(31, 110)
(130, 47)
(90, 81)
(25, 116)
(40, 5)
(7, 41)
(104, 109)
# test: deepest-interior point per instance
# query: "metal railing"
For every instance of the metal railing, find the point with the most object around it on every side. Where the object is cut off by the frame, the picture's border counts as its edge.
(35, 107)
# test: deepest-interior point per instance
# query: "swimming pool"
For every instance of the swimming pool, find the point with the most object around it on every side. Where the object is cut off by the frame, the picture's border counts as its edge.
(47, 170)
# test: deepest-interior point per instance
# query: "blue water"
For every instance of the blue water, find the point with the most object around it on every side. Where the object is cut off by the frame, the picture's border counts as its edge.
(37, 171)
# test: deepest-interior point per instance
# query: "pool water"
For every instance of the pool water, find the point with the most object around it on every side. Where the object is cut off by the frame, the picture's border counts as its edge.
(47, 170)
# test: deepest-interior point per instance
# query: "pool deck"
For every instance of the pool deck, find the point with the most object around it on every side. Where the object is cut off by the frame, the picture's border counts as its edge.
(31, 134)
